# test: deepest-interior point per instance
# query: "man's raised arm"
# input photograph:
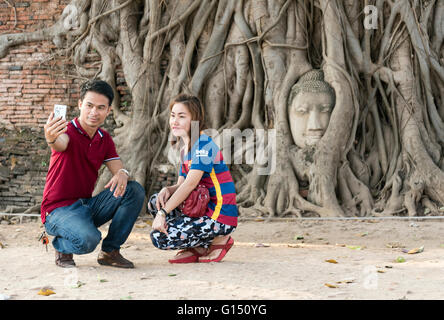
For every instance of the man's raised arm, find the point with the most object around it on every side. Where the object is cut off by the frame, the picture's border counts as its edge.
(55, 134)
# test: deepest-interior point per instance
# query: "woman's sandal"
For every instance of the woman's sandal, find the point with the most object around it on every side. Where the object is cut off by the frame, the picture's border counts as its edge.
(190, 259)
(225, 247)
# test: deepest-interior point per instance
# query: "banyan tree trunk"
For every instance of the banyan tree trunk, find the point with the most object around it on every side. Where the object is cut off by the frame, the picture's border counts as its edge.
(381, 153)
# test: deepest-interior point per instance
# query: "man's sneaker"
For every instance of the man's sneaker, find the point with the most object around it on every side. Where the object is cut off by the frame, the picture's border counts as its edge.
(114, 259)
(64, 260)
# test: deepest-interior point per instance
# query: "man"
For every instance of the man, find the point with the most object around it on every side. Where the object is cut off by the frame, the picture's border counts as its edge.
(68, 211)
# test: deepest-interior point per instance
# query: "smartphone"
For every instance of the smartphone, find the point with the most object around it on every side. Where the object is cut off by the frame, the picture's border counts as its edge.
(60, 111)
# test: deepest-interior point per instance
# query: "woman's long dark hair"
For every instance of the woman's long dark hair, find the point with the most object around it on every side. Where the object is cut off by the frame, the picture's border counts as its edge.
(195, 107)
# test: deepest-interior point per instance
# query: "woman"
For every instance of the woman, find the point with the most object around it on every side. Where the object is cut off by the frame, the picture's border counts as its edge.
(204, 239)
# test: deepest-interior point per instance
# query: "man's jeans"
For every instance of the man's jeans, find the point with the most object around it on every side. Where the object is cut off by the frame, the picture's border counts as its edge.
(75, 226)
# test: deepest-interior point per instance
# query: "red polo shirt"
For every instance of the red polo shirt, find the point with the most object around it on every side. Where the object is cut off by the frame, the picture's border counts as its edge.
(73, 173)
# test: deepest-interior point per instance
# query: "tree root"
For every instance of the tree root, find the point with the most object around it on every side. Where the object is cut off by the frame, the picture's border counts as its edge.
(430, 207)
(395, 202)
(413, 196)
(361, 194)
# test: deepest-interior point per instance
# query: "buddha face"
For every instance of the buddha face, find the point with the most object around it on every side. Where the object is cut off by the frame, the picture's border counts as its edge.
(309, 115)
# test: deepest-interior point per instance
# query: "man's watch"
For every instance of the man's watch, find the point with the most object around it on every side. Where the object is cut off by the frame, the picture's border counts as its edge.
(125, 171)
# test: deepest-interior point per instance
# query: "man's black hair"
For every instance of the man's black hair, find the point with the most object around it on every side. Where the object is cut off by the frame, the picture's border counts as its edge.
(97, 86)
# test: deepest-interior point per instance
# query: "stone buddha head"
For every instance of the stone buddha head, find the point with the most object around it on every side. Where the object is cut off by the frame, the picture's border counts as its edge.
(310, 104)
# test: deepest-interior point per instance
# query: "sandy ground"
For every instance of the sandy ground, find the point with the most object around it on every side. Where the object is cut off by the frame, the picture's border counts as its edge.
(269, 260)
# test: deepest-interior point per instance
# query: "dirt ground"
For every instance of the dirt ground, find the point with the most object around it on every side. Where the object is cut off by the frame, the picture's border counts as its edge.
(269, 260)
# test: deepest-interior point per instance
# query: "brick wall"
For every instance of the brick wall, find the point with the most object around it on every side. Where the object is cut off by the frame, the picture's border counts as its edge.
(24, 160)
(32, 80)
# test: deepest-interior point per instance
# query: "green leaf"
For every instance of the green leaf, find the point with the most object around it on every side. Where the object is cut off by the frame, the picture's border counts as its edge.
(78, 284)
(355, 247)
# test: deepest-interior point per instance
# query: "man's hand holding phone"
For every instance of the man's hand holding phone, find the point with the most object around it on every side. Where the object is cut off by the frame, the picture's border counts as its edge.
(56, 124)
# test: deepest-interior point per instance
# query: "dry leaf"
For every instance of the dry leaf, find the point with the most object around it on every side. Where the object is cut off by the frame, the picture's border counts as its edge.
(381, 271)
(362, 234)
(261, 245)
(346, 281)
(340, 245)
(416, 250)
(394, 245)
(413, 251)
(331, 285)
(294, 246)
(45, 292)
(331, 261)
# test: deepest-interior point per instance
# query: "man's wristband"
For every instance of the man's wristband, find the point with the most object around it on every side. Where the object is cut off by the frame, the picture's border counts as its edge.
(125, 171)
(52, 141)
